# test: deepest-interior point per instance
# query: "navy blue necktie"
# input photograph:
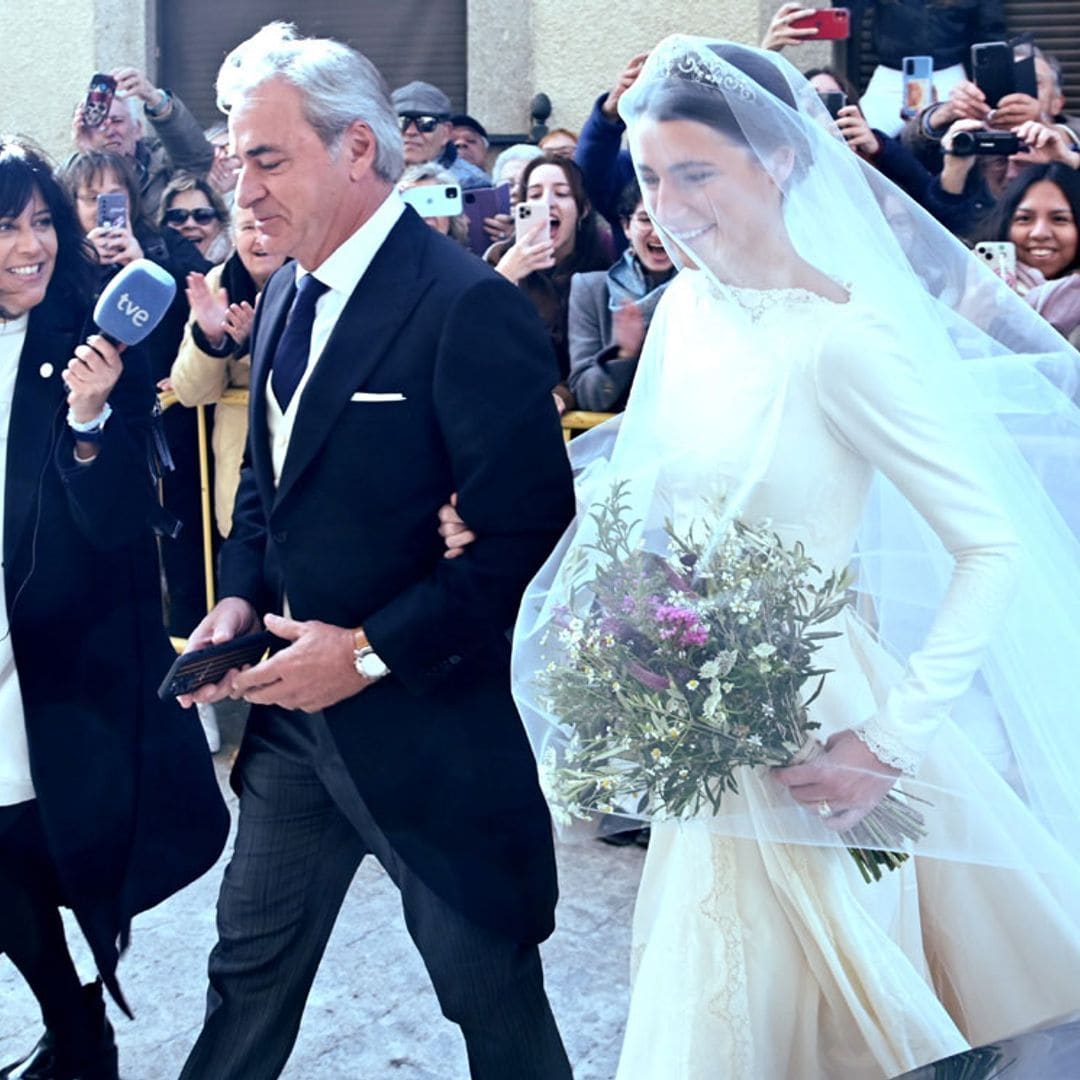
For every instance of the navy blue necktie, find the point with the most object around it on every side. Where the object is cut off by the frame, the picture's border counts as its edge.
(291, 355)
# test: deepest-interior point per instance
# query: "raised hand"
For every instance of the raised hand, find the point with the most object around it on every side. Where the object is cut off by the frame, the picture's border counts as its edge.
(856, 131)
(534, 251)
(627, 78)
(781, 33)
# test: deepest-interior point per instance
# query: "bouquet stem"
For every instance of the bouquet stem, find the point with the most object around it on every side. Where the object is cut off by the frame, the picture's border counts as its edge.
(877, 841)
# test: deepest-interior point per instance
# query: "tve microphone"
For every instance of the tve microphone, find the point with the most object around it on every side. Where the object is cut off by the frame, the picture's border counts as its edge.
(134, 302)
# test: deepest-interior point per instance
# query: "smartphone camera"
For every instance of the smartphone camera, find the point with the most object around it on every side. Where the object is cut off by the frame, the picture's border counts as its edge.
(833, 100)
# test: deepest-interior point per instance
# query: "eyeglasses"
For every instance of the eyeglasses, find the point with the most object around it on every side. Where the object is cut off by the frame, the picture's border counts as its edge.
(425, 125)
(203, 215)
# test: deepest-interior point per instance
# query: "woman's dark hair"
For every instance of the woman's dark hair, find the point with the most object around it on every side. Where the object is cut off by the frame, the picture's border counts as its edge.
(587, 246)
(845, 84)
(1066, 179)
(690, 96)
(24, 169)
(83, 169)
(628, 201)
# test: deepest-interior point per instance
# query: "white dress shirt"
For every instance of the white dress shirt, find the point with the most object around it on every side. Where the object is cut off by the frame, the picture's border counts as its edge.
(341, 271)
(15, 783)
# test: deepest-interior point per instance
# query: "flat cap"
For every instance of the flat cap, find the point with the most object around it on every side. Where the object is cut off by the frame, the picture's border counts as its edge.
(421, 99)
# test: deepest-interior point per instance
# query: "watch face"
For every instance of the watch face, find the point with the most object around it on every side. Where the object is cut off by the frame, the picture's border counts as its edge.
(372, 666)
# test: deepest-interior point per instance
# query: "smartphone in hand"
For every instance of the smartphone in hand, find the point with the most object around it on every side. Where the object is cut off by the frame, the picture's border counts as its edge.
(917, 74)
(112, 210)
(202, 666)
(831, 24)
(526, 215)
(99, 99)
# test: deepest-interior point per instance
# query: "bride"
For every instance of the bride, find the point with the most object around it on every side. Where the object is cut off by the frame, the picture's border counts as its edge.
(833, 363)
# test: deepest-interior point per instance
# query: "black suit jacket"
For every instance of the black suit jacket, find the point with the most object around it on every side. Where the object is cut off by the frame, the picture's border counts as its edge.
(125, 787)
(436, 749)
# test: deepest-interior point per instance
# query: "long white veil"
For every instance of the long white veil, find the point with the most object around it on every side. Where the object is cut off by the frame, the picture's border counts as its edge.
(1000, 381)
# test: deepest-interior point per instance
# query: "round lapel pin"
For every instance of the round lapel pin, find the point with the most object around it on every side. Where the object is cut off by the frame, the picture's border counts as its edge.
(46, 370)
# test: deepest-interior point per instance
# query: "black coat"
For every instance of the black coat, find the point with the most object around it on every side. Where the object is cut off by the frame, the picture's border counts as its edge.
(125, 786)
(436, 749)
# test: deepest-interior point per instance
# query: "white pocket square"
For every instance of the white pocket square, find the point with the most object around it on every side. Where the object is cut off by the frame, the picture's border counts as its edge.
(361, 396)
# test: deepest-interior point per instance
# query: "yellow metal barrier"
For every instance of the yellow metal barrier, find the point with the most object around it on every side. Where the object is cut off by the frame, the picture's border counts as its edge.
(573, 423)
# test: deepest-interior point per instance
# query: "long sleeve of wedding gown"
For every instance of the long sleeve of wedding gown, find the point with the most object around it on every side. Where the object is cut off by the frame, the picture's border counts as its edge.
(880, 406)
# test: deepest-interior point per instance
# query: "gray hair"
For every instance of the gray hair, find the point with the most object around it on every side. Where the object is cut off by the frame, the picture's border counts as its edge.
(426, 170)
(337, 86)
(517, 152)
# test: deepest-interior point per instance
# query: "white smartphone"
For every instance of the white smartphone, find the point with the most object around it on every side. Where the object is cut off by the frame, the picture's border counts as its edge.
(434, 200)
(526, 215)
(1000, 256)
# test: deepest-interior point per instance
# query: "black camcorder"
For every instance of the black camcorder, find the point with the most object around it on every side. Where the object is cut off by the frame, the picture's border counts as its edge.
(983, 143)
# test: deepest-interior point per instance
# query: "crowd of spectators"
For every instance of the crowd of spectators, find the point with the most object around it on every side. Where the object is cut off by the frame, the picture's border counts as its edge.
(592, 262)
(593, 265)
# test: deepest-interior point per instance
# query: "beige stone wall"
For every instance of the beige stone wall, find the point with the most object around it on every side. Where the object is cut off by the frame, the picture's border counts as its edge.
(573, 50)
(52, 47)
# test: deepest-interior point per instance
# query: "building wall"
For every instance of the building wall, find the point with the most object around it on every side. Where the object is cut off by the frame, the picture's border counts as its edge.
(52, 47)
(573, 50)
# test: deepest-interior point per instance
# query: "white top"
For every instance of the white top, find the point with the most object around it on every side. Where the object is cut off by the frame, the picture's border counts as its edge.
(341, 271)
(15, 783)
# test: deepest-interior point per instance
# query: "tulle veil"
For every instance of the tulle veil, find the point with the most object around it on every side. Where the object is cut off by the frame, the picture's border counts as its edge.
(1002, 381)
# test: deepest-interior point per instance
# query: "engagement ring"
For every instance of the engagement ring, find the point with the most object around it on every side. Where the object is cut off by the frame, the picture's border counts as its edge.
(824, 809)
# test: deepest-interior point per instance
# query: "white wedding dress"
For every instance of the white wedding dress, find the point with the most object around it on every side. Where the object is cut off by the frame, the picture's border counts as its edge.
(759, 960)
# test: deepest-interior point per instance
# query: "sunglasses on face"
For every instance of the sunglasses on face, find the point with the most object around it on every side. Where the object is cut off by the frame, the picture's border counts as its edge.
(203, 215)
(424, 124)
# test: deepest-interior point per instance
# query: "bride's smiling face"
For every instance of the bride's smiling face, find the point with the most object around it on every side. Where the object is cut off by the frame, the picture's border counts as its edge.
(710, 194)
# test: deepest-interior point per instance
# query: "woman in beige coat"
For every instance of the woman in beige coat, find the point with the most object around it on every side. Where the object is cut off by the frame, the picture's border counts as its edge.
(214, 356)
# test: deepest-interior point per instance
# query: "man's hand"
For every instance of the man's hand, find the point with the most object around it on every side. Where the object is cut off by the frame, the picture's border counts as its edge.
(627, 78)
(80, 133)
(131, 82)
(230, 618)
(857, 132)
(317, 670)
(847, 777)
(224, 172)
(628, 330)
(965, 102)
(782, 33)
(1013, 110)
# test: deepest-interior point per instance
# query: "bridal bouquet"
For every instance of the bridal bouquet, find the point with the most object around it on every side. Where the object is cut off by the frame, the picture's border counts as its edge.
(676, 670)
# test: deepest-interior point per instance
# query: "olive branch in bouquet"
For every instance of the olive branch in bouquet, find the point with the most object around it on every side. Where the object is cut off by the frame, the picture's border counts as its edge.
(676, 670)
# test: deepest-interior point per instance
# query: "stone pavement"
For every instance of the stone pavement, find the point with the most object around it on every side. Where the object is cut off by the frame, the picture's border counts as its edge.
(372, 1014)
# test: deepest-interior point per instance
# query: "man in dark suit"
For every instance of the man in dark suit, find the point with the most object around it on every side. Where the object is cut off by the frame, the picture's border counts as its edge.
(389, 368)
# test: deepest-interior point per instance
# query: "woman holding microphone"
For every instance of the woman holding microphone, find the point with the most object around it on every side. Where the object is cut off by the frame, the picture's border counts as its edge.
(107, 805)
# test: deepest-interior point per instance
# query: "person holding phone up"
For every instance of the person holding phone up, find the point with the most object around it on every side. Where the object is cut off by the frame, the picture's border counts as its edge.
(942, 29)
(543, 258)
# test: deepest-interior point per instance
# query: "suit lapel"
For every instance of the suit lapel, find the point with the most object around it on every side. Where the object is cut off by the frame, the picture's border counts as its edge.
(366, 330)
(38, 400)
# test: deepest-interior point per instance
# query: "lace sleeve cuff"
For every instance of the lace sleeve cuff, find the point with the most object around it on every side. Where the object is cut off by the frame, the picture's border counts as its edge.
(889, 750)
